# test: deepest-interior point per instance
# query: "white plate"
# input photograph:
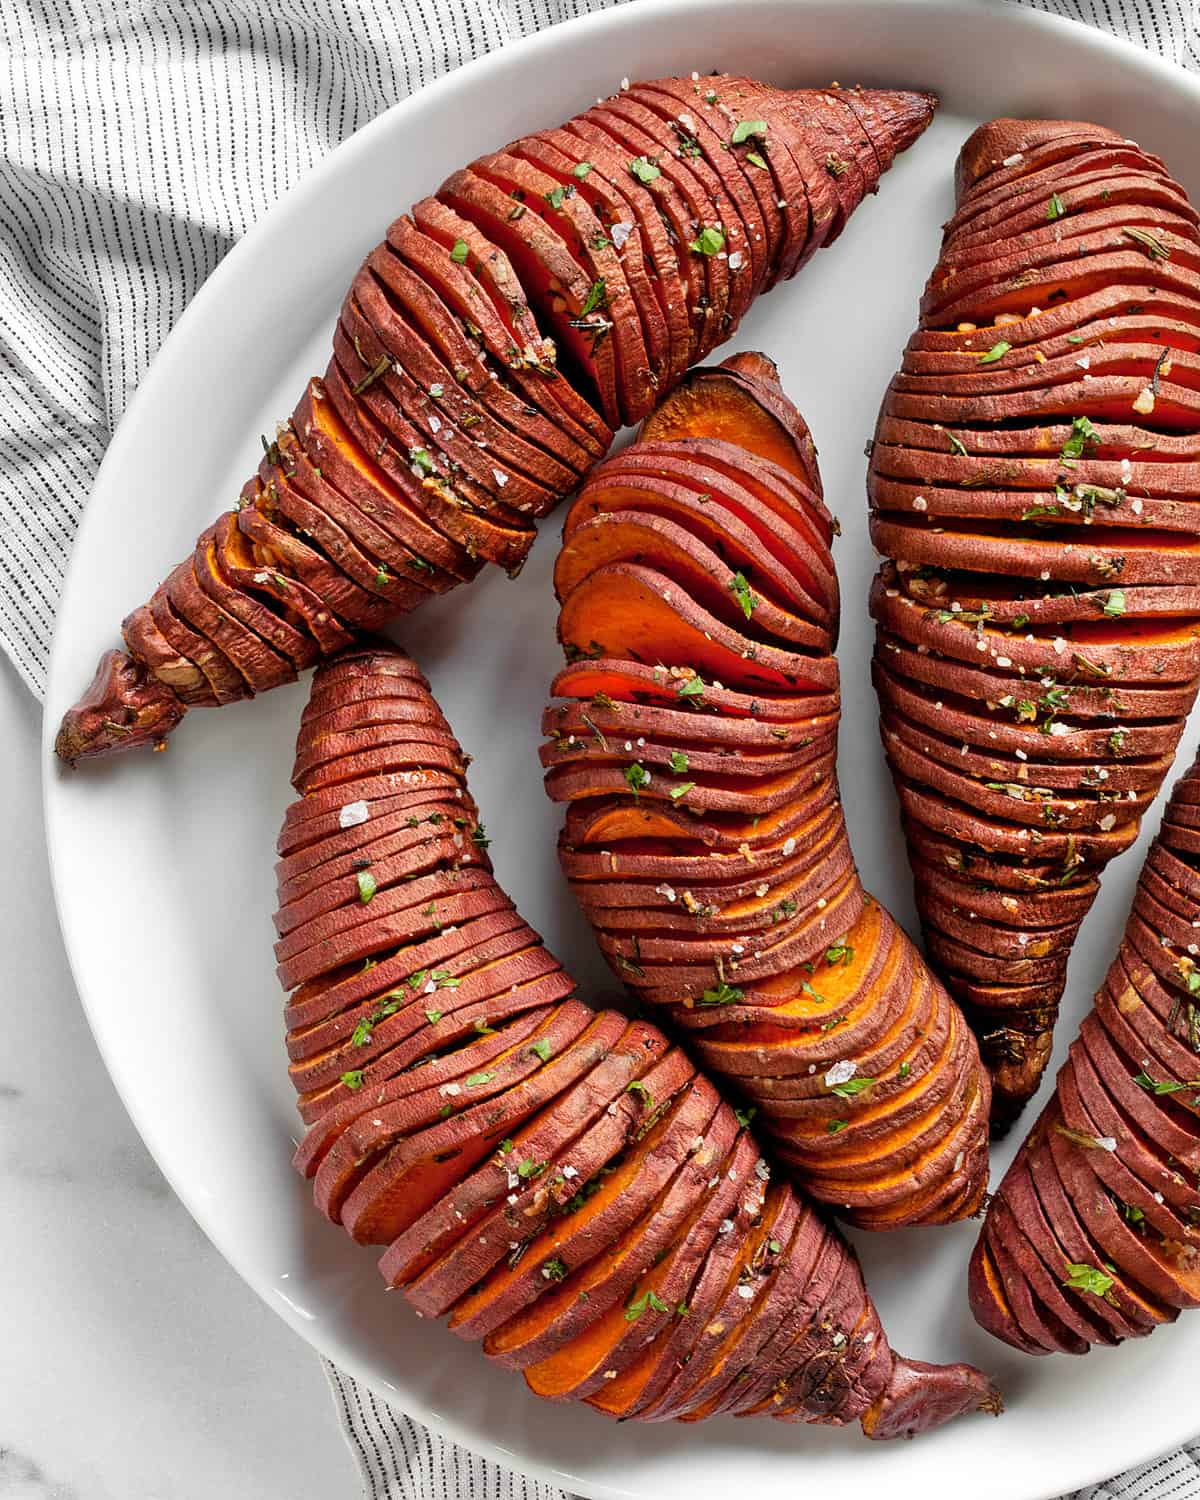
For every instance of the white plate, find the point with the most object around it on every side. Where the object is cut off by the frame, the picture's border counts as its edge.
(163, 870)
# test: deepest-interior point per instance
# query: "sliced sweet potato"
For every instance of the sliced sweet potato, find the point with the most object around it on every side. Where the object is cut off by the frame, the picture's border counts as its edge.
(522, 307)
(716, 872)
(547, 1176)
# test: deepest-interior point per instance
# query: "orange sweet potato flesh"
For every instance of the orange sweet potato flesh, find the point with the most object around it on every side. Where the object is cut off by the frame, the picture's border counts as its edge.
(560, 1183)
(1032, 487)
(694, 746)
(566, 347)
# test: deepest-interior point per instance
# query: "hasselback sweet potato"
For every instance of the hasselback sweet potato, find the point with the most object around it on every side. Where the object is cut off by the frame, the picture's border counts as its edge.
(561, 1183)
(1094, 1233)
(694, 743)
(1032, 485)
(484, 355)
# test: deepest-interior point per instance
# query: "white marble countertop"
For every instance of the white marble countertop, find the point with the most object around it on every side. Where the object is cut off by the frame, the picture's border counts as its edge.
(134, 1364)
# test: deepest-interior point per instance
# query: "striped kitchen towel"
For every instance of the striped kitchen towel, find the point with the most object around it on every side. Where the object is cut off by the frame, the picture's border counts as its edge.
(138, 140)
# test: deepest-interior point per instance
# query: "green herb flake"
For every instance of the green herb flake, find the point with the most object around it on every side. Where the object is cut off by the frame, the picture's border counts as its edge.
(644, 169)
(648, 1299)
(637, 777)
(756, 160)
(382, 577)
(679, 762)
(997, 351)
(839, 953)
(903, 1070)
(434, 1016)
(460, 252)
(581, 169)
(353, 1079)
(366, 886)
(692, 687)
(477, 1080)
(1084, 1278)
(739, 587)
(721, 994)
(852, 1087)
(597, 297)
(530, 1168)
(555, 196)
(836, 1126)
(1055, 208)
(1163, 1086)
(421, 460)
(639, 1088)
(744, 1116)
(709, 241)
(681, 790)
(554, 1270)
(957, 445)
(1114, 605)
(1083, 435)
(361, 1034)
(745, 129)
(542, 1049)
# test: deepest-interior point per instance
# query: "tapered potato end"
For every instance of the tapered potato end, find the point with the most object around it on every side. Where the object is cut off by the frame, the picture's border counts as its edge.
(893, 118)
(125, 708)
(919, 1397)
(1017, 1063)
(996, 143)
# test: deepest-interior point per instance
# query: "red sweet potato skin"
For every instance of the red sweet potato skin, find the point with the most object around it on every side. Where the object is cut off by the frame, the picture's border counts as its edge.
(539, 1173)
(1032, 488)
(704, 839)
(1111, 1162)
(484, 356)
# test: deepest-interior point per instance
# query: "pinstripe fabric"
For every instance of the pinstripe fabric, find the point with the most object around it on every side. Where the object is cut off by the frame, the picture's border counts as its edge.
(101, 247)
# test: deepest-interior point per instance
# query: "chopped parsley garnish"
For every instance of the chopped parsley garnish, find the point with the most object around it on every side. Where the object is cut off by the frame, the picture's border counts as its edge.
(1056, 207)
(581, 169)
(679, 762)
(851, 1087)
(744, 1116)
(648, 1299)
(835, 1126)
(745, 129)
(1085, 1278)
(692, 687)
(839, 953)
(1114, 605)
(997, 351)
(1083, 435)
(366, 886)
(353, 1079)
(554, 1270)
(721, 994)
(681, 790)
(637, 777)
(644, 169)
(460, 252)
(541, 1049)
(555, 196)
(756, 160)
(709, 241)
(433, 1016)
(421, 460)
(639, 1088)
(597, 297)
(382, 577)
(477, 1080)
(739, 586)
